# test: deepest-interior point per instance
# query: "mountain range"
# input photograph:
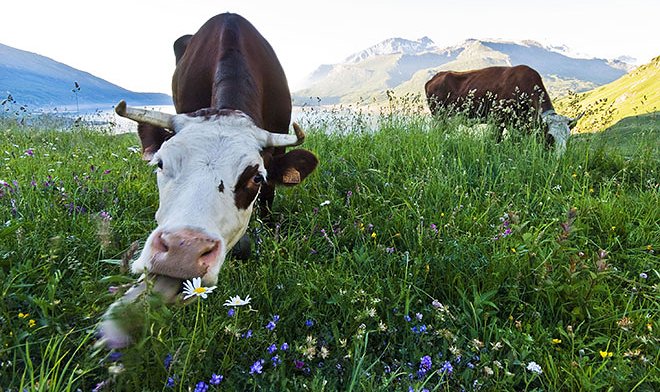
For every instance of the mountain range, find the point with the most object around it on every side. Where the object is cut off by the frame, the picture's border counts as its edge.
(38, 82)
(404, 66)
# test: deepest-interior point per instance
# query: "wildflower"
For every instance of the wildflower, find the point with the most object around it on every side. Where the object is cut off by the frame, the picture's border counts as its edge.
(373, 235)
(105, 216)
(231, 312)
(556, 341)
(513, 250)
(276, 360)
(407, 318)
(23, 315)
(606, 354)
(325, 203)
(324, 352)
(167, 361)
(116, 369)
(248, 334)
(624, 323)
(298, 364)
(446, 368)
(284, 346)
(201, 387)
(272, 348)
(643, 275)
(534, 367)
(488, 371)
(390, 250)
(271, 325)
(195, 288)
(419, 316)
(215, 379)
(309, 323)
(237, 301)
(114, 356)
(426, 363)
(32, 323)
(29, 152)
(257, 367)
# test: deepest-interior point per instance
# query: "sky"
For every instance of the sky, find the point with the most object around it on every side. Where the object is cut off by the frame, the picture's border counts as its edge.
(129, 42)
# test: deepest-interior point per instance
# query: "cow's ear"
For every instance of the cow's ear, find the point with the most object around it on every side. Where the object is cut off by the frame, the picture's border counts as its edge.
(291, 168)
(152, 138)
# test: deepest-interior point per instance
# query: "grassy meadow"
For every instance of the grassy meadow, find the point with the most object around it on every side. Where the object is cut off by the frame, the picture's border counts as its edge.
(419, 257)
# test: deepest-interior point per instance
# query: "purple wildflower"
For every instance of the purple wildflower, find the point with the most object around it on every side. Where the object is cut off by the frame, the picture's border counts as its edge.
(390, 250)
(446, 368)
(272, 348)
(170, 382)
(257, 367)
(29, 152)
(407, 318)
(276, 360)
(106, 171)
(114, 356)
(201, 387)
(426, 362)
(298, 364)
(309, 323)
(231, 312)
(285, 346)
(271, 325)
(215, 379)
(167, 361)
(248, 334)
(105, 216)
(97, 388)
(434, 228)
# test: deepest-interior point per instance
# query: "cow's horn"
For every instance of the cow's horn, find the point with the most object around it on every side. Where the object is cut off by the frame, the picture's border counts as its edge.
(285, 140)
(152, 117)
(573, 121)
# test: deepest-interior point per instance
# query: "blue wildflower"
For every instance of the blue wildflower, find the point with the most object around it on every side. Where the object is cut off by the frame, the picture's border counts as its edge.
(215, 379)
(426, 362)
(407, 318)
(309, 323)
(167, 361)
(231, 312)
(201, 387)
(285, 346)
(248, 334)
(170, 382)
(114, 356)
(446, 368)
(276, 360)
(276, 318)
(257, 367)
(272, 348)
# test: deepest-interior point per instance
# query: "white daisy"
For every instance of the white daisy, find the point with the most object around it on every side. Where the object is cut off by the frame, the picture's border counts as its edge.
(194, 287)
(237, 301)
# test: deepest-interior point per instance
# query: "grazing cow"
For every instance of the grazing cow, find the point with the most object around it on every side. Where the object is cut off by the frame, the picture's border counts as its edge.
(215, 159)
(505, 92)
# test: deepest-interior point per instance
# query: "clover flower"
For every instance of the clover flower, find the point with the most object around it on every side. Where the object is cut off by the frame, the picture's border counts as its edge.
(192, 288)
(237, 301)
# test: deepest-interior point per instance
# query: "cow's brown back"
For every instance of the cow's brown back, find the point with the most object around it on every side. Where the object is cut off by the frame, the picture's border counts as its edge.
(487, 87)
(228, 64)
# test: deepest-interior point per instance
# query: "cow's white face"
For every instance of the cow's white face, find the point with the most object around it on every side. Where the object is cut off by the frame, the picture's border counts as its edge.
(558, 128)
(209, 176)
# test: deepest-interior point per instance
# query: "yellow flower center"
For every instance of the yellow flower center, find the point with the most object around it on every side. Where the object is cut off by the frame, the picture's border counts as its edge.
(200, 290)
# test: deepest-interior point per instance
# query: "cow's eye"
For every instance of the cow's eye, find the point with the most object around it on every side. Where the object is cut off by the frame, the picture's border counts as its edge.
(160, 164)
(258, 179)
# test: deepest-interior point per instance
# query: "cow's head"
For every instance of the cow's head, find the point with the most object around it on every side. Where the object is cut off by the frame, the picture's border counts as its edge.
(209, 170)
(558, 128)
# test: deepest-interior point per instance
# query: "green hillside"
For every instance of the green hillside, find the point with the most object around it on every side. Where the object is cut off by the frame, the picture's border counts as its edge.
(635, 93)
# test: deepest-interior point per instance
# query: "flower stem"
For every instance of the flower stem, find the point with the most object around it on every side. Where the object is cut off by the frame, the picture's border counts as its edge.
(192, 340)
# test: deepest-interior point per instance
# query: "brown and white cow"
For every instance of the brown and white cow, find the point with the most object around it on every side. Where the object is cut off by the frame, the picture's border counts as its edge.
(504, 92)
(213, 161)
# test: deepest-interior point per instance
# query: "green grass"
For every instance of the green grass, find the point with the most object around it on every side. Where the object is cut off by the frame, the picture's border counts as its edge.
(433, 243)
